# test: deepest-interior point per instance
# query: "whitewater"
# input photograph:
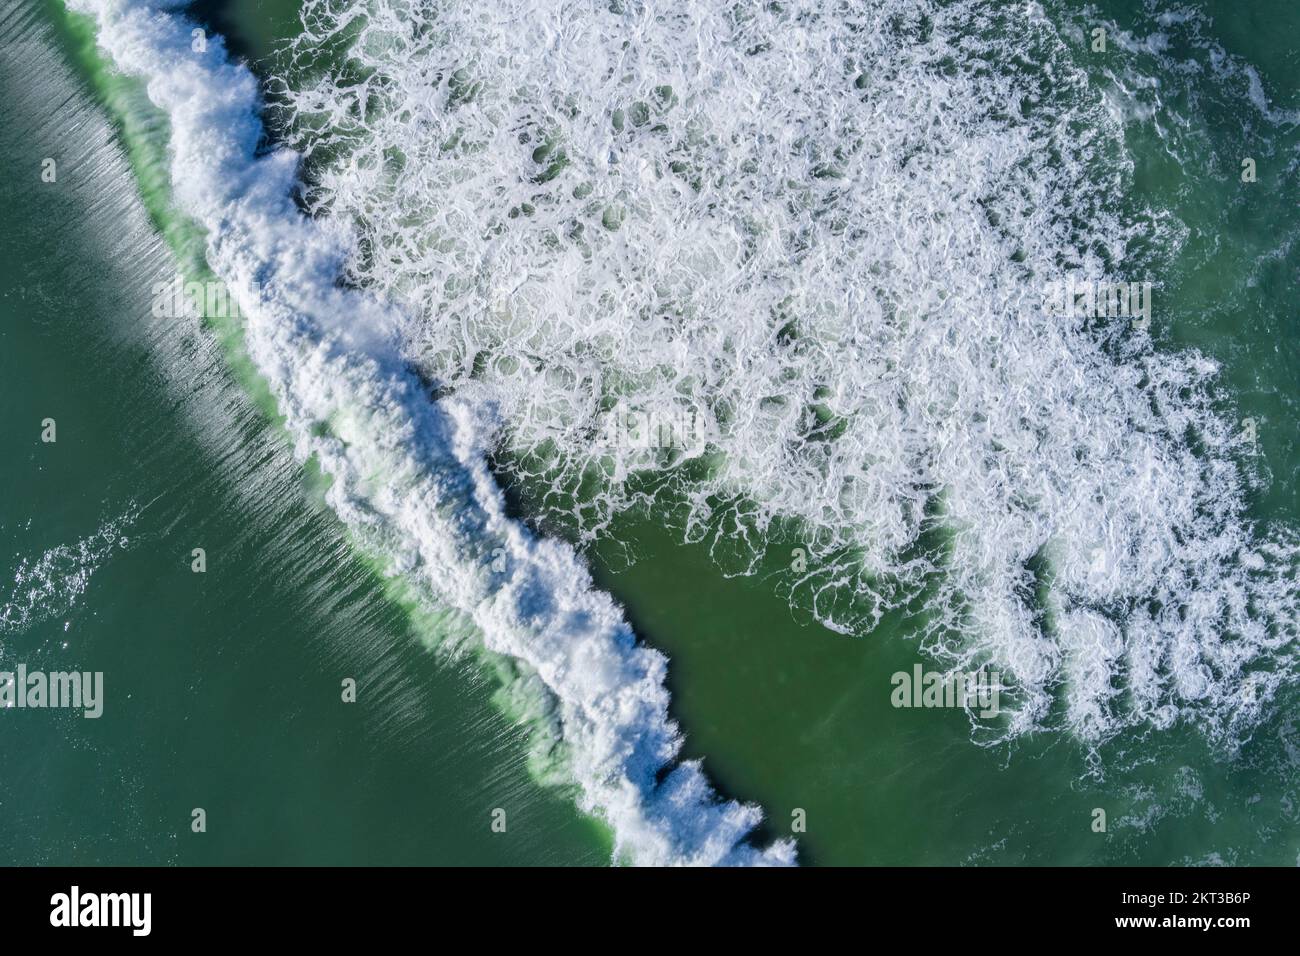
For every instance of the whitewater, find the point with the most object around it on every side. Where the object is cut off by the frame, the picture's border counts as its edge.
(826, 232)
(818, 240)
(410, 474)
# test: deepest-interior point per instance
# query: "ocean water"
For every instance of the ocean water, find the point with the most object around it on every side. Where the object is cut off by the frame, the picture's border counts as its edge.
(623, 394)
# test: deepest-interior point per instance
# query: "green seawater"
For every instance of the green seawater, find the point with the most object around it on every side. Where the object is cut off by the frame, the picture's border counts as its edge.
(223, 688)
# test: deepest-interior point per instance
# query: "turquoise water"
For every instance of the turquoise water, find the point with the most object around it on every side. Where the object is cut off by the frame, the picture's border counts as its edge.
(223, 688)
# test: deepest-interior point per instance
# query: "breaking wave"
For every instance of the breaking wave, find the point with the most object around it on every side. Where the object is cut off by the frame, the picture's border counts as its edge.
(769, 272)
(409, 473)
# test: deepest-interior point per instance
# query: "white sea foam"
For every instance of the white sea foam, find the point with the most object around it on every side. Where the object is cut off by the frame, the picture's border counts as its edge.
(45, 587)
(828, 227)
(409, 473)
